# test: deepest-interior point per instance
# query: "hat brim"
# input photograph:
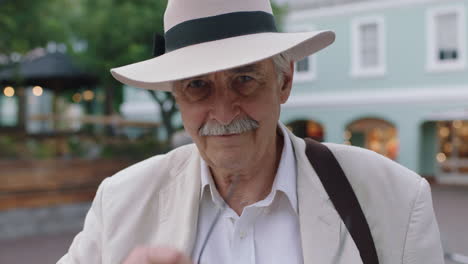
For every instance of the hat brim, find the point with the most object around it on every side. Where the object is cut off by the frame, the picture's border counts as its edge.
(200, 59)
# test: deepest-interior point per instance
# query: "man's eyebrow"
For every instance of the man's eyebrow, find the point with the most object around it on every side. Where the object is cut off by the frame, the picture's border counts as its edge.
(246, 68)
(192, 78)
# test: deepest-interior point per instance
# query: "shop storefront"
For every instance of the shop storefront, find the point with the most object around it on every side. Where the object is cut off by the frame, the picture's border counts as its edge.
(307, 128)
(452, 155)
(375, 134)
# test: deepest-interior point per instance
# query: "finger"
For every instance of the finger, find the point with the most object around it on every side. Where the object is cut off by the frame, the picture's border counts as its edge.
(137, 256)
(163, 255)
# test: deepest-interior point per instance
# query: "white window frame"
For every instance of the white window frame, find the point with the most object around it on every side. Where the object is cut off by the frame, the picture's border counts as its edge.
(311, 74)
(357, 70)
(433, 64)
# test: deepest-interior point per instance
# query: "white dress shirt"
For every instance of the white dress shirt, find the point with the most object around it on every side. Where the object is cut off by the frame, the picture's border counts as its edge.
(267, 232)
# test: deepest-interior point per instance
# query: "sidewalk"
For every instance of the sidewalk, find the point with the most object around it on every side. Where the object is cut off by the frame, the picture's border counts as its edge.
(39, 250)
(451, 208)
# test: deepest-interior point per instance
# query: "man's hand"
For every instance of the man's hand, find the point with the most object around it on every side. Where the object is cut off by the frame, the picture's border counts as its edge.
(158, 255)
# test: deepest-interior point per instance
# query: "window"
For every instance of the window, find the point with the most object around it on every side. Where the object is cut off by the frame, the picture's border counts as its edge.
(446, 49)
(368, 47)
(305, 69)
(302, 66)
(452, 155)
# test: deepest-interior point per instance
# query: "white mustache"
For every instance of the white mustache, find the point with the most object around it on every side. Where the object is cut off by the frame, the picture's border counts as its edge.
(237, 126)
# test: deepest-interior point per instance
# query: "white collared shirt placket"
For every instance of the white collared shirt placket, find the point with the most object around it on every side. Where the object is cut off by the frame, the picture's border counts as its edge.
(266, 232)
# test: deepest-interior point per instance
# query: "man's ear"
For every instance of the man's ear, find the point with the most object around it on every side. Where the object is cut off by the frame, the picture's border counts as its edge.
(287, 84)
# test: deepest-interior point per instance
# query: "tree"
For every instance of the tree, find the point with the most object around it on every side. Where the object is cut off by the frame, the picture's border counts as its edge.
(280, 12)
(26, 25)
(168, 108)
(117, 33)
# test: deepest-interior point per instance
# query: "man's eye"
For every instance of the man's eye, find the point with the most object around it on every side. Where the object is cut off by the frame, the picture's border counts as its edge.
(244, 78)
(197, 83)
(197, 90)
(245, 85)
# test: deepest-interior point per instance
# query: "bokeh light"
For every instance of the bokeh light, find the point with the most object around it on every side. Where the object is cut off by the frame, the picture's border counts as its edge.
(37, 90)
(88, 95)
(441, 157)
(9, 91)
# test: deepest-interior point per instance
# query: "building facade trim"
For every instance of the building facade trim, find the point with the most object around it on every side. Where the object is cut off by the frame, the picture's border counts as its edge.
(398, 96)
(352, 8)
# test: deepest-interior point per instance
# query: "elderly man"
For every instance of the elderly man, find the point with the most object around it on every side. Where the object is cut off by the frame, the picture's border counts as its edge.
(246, 191)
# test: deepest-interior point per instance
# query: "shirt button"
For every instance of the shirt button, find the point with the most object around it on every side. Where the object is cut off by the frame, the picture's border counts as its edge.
(266, 210)
(242, 235)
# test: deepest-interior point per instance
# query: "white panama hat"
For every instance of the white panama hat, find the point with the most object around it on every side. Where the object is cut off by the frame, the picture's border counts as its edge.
(206, 36)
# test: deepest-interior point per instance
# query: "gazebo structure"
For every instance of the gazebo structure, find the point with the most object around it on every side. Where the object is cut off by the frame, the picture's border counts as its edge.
(54, 71)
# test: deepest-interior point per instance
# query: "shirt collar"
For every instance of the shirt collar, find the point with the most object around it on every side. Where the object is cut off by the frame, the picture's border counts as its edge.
(285, 179)
(208, 182)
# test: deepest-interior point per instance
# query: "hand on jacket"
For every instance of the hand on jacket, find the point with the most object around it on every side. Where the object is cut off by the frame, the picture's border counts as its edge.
(158, 255)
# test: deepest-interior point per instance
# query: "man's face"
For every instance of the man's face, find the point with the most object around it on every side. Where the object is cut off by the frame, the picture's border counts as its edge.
(248, 92)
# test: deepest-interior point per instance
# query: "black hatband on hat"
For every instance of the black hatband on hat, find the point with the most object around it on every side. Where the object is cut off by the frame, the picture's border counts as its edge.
(218, 27)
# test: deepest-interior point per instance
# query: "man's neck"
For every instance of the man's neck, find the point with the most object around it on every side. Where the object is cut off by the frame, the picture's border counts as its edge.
(252, 184)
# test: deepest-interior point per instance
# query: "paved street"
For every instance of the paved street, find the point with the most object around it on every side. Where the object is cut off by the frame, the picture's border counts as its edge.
(450, 203)
(451, 207)
(38, 250)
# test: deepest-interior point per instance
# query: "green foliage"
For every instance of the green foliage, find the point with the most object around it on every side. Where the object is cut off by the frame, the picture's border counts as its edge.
(13, 147)
(38, 150)
(116, 33)
(7, 147)
(29, 24)
(280, 12)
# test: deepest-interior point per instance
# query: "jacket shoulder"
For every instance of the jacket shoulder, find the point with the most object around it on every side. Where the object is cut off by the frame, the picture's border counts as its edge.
(388, 194)
(142, 182)
(369, 168)
(157, 169)
(128, 210)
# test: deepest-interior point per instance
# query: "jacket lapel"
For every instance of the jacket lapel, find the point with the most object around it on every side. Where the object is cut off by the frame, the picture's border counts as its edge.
(178, 204)
(320, 225)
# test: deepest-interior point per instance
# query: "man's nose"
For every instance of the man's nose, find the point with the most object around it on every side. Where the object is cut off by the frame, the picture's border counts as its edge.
(226, 105)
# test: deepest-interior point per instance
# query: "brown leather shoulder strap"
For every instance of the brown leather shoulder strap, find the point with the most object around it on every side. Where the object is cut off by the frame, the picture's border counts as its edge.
(343, 198)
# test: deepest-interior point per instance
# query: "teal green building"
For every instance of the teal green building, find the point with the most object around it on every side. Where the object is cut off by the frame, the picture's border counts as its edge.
(395, 81)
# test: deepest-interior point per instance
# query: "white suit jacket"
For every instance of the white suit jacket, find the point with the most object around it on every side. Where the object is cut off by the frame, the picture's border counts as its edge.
(155, 202)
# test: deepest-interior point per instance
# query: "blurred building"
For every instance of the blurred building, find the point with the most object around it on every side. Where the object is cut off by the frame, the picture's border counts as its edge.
(395, 81)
